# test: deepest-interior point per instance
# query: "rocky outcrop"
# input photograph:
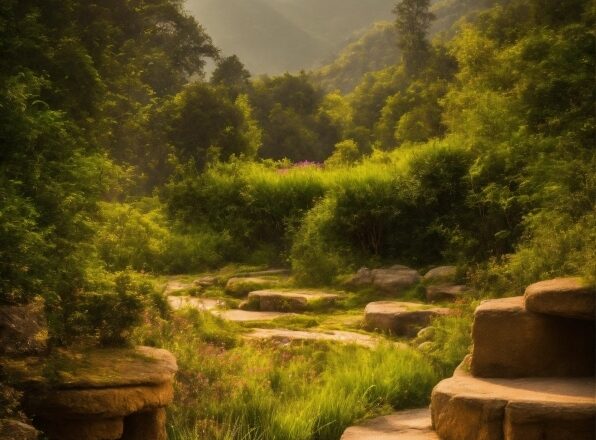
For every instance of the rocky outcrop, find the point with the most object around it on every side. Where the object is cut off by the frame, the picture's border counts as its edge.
(469, 408)
(404, 425)
(289, 301)
(392, 280)
(105, 394)
(23, 329)
(510, 341)
(566, 297)
(400, 318)
(532, 370)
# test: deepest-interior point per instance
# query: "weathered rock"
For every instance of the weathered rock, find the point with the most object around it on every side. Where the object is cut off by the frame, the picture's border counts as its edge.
(392, 280)
(202, 304)
(146, 425)
(361, 278)
(90, 395)
(289, 301)
(242, 286)
(441, 274)
(567, 297)
(468, 408)
(404, 425)
(395, 280)
(285, 336)
(510, 341)
(247, 316)
(16, 430)
(445, 292)
(400, 318)
(23, 329)
(206, 281)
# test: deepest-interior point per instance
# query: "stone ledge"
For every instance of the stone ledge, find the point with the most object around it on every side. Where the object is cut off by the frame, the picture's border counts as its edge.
(469, 408)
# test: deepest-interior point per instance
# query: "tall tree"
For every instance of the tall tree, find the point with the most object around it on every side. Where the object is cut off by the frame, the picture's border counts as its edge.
(413, 19)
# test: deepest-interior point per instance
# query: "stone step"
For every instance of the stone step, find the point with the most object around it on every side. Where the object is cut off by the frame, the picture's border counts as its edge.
(468, 408)
(567, 297)
(510, 341)
(404, 425)
(247, 316)
(400, 318)
(285, 335)
(288, 301)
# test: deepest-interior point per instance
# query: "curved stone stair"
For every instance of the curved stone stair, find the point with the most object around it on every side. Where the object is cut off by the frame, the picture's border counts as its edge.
(531, 374)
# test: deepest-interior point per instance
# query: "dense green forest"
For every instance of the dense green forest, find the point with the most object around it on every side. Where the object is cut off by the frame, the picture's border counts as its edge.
(460, 133)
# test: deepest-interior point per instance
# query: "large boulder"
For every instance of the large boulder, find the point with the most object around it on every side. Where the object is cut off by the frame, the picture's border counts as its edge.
(108, 394)
(441, 275)
(240, 286)
(469, 408)
(510, 341)
(392, 280)
(567, 297)
(289, 301)
(400, 318)
(23, 329)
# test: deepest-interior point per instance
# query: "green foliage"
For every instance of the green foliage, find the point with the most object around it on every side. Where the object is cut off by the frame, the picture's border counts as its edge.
(113, 306)
(412, 22)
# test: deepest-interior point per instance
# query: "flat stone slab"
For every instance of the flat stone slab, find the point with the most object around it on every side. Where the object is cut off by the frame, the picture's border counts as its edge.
(413, 424)
(469, 408)
(97, 368)
(247, 316)
(400, 318)
(294, 335)
(510, 341)
(567, 297)
(202, 304)
(289, 301)
(96, 394)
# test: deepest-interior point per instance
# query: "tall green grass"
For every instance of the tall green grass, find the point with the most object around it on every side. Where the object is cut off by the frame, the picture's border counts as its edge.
(227, 389)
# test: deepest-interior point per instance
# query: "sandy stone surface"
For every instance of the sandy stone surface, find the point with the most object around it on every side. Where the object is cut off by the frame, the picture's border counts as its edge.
(469, 408)
(246, 316)
(404, 425)
(510, 341)
(294, 335)
(400, 318)
(290, 300)
(567, 297)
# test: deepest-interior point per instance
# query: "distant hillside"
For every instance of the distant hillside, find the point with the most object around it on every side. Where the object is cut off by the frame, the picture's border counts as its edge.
(377, 48)
(274, 36)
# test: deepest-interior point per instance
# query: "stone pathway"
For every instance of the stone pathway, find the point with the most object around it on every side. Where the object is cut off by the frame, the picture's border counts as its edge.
(175, 286)
(289, 300)
(203, 304)
(404, 425)
(247, 316)
(295, 335)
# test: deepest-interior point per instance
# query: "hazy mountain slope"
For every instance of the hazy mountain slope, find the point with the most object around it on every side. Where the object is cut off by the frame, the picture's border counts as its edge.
(377, 47)
(272, 36)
